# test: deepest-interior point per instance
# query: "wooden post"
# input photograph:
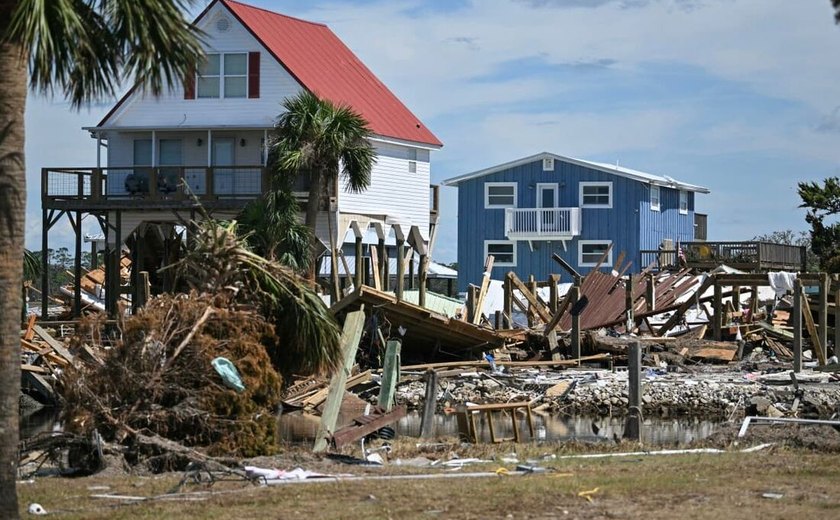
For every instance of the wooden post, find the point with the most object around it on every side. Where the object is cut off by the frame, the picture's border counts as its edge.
(508, 306)
(366, 271)
(424, 266)
(797, 325)
(144, 291)
(374, 266)
(532, 289)
(354, 323)
(553, 298)
(400, 268)
(650, 293)
(427, 424)
(412, 283)
(77, 264)
(472, 292)
(482, 292)
(360, 263)
(574, 296)
(717, 317)
(386, 272)
(836, 315)
(633, 425)
(381, 266)
(45, 266)
(628, 305)
(390, 375)
(812, 329)
(753, 302)
(822, 313)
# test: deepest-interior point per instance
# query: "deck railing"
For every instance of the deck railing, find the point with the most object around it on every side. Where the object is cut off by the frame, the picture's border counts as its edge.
(748, 255)
(152, 184)
(542, 223)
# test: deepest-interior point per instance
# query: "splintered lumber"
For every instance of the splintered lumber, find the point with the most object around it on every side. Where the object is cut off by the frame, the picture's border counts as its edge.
(30, 332)
(314, 398)
(543, 313)
(812, 329)
(776, 332)
(680, 311)
(57, 347)
(482, 292)
(374, 265)
(350, 336)
(367, 424)
(560, 389)
(38, 383)
(714, 354)
(542, 363)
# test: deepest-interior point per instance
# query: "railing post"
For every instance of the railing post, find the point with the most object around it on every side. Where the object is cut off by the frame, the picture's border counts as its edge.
(44, 188)
(96, 184)
(209, 182)
(153, 188)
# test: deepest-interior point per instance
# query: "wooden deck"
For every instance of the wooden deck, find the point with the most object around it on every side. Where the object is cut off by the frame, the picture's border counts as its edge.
(745, 256)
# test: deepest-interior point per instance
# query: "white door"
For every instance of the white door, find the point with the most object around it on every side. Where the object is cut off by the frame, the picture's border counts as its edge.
(223, 160)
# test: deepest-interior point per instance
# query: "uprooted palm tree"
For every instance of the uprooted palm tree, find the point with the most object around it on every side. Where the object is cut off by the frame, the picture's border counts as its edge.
(307, 336)
(318, 139)
(82, 49)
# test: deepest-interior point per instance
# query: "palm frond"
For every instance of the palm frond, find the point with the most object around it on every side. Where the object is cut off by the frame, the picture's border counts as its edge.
(83, 48)
(308, 336)
(31, 265)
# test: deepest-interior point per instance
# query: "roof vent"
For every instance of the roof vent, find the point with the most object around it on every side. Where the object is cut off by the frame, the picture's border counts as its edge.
(548, 164)
(222, 24)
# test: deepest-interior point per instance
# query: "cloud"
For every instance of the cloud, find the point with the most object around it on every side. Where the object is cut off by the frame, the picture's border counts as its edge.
(830, 123)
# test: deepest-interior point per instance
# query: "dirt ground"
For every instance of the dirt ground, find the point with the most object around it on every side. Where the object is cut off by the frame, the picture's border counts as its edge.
(799, 475)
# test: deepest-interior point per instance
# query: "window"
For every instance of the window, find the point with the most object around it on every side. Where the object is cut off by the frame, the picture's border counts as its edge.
(499, 195)
(504, 252)
(654, 198)
(412, 160)
(591, 251)
(596, 194)
(223, 75)
(142, 152)
(684, 202)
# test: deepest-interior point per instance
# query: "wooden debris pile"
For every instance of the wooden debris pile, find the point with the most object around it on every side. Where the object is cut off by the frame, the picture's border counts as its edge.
(159, 381)
(43, 358)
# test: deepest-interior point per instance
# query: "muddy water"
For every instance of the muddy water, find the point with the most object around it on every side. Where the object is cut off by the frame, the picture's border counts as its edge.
(297, 427)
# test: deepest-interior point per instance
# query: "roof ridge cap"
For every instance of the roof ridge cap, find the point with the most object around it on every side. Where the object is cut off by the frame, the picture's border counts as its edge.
(275, 13)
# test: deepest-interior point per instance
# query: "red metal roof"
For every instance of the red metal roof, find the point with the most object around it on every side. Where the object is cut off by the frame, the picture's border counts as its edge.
(320, 62)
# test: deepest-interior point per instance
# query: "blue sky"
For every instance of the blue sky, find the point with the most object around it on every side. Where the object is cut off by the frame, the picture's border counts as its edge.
(740, 96)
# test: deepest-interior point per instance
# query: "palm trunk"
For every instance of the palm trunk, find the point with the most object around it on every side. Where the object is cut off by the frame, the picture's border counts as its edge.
(313, 206)
(13, 78)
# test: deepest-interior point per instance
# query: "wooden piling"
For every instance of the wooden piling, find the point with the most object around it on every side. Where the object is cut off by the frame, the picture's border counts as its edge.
(717, 317)
(797, 326)
(354, 323)
(390, 375)
(633, 425)
(427, 424)
(822, 313)
(574, 296)
(508, 306)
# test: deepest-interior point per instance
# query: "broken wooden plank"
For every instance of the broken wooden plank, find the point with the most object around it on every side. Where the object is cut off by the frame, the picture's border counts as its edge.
(812, 329)
(350, 336)
(53, 343)
(365, 425)
(714, 354)
(482, 292)
(535, 305)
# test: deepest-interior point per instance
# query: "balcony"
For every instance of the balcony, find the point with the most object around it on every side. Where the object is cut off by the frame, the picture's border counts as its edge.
(150, 188)
(542, 223)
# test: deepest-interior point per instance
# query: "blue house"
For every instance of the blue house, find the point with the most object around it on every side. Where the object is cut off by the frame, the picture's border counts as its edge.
(523, 211)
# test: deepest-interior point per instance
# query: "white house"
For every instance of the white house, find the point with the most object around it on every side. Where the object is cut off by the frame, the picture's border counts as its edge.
(210, 132)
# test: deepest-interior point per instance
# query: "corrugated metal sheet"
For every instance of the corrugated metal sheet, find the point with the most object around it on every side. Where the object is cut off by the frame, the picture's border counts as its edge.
(315, 56)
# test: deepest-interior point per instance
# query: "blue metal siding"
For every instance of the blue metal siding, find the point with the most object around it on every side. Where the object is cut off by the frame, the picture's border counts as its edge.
(668, 222)
(621, 223)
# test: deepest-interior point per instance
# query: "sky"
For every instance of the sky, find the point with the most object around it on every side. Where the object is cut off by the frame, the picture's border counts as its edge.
(740, 96)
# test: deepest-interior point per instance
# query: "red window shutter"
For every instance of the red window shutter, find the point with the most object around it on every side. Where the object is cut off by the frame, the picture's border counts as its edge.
(189, 84)
(253, 74)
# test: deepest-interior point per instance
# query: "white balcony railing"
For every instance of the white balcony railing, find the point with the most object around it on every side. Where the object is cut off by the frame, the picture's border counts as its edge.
(542, 223)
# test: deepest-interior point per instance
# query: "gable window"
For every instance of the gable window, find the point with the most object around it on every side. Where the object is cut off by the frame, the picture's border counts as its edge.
(223, 75)
(590, 251)
(654, 198)
(499, 195)
(683, 202)
(596, 194)
(503, 251)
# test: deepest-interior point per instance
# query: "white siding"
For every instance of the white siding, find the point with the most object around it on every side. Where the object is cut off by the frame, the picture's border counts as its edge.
(171, 109)
(393, 191)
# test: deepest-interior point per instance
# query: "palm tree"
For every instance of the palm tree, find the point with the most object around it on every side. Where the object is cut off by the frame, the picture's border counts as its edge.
(316, 138)
(83, 49)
